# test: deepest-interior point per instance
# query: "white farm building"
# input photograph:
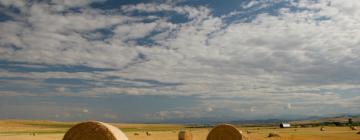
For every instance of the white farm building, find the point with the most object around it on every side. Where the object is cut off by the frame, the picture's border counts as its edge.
(285, 125)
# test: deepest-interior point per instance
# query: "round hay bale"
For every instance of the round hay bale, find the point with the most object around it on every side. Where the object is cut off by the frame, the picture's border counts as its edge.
(353, 128)
(273, 135)
(225, 132)
(94, 131)
(185, 135)
(322, 129)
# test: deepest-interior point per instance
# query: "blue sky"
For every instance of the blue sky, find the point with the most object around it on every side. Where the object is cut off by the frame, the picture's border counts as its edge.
(178, 60)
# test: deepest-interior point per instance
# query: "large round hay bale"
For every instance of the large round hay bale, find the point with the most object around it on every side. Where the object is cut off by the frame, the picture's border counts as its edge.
(94, 131)
(185, 135)
(225, 132)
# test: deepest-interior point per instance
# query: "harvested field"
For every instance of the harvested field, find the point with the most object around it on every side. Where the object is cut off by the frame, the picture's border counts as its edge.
(47, 130)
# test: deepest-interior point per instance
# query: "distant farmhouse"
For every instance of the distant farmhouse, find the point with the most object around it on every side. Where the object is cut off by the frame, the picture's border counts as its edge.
(285, 125)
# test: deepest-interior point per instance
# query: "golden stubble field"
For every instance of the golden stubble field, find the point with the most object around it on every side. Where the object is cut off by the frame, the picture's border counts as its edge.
(48, 130)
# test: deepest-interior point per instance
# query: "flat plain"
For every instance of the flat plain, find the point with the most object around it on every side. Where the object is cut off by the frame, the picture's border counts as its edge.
(50, 130)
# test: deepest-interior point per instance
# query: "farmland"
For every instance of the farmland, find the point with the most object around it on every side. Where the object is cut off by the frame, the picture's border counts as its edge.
(50, 130)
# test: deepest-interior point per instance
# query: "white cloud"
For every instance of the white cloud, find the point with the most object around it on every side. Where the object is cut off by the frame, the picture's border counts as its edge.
(191, 12)
(209, 109)
(174, 114)
(61, 89)
(85, 110)
(74, 3)
(289, 106)
(253, 109)
(293, 55)
(18, 3)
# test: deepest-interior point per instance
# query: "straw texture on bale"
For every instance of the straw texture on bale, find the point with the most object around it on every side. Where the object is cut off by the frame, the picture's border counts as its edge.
(94, 131)
(185, 135)
(225, 132)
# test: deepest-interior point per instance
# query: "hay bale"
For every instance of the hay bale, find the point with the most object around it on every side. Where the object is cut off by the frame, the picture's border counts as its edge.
(136, 134)
(94, 131)
(225, 132)
(185, 135)
(273, 135)
(148, 133)
(322, 129)
(358, 132)
(353, 128)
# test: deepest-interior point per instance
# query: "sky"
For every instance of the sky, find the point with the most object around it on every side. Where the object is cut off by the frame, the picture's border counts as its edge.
(178, 60)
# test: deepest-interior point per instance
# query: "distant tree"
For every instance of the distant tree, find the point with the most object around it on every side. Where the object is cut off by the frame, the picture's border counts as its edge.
(350, 121)
(337, 123)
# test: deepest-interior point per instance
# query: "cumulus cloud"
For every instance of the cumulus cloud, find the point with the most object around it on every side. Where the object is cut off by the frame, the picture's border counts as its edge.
(85, 110)
(74, 3)
(209, 109)
(295, 57)
(175, 114)
(289, 106)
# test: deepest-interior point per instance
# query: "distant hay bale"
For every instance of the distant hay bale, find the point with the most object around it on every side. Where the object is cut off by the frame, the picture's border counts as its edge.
(148, 133)
(322, 129)
(136, 134)
(353, 128)
(273, 135)
(358, 132)
(225, 132)
(185, 135)
(94, 131)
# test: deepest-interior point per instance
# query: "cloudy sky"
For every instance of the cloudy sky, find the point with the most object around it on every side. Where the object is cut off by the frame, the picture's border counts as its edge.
(164, 60)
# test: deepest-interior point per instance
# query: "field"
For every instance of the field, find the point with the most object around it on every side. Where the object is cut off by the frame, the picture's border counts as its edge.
(48, 130)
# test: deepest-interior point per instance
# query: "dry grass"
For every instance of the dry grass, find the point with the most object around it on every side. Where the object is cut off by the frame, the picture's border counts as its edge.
(56, 131)
(273, 135)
